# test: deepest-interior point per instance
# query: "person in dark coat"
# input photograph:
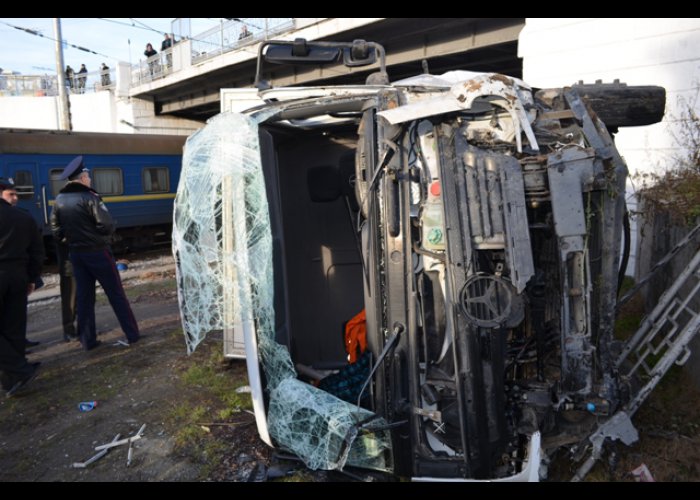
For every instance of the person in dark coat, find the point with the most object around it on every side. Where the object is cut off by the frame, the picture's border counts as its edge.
(21, 255)
(68, 291)
(150, 52)
(164, 46)
(9, 194)
(80, 219)
(70, 77)
(105, 79)
(82, 78)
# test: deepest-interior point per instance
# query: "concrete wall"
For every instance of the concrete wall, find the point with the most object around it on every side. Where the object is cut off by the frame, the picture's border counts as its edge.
(141, 114)
(28, 112)
(93, 112)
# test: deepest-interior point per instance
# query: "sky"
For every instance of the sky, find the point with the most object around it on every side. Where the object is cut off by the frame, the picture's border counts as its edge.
(114, 39)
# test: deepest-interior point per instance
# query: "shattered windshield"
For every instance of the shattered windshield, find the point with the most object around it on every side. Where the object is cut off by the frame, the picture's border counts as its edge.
(222, 244)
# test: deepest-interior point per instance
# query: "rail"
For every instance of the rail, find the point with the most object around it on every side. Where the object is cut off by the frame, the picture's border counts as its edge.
(45, 85)
(229, 35)
(152, 68)
(236, 33)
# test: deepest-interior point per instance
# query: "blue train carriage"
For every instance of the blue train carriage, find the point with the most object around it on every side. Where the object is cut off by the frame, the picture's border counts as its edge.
(137, 175)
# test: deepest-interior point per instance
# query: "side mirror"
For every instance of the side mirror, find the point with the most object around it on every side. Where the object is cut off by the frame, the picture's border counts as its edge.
(359, 54)
(299, 51)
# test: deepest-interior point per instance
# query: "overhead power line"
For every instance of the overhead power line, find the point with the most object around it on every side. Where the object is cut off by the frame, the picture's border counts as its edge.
(36, 33)
(144, 26)
(132, 24)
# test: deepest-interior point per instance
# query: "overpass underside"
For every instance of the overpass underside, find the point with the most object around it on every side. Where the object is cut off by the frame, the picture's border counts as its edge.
(445, 43)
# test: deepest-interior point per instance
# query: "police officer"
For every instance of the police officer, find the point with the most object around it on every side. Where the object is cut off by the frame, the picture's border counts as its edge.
(9, 194)
(21, 255)
(81, 219)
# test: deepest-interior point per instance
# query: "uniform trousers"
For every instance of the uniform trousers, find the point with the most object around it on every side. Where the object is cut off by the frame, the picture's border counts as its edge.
(13, 324)
(89, 267)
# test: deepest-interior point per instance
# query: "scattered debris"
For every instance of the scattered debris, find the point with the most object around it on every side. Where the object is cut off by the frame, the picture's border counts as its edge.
(122, 441)
(258, 474)
(87, 405)
(121, 342)
(284, 466)
(206, 426)
(96, 457)
(276, 471)
(244, 389)
(642, 474)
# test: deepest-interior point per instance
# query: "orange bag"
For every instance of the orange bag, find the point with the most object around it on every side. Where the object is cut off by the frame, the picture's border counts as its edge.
(356, 336)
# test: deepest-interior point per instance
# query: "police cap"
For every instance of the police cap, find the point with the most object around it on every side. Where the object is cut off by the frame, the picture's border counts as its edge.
(6, 183)
(73, 170)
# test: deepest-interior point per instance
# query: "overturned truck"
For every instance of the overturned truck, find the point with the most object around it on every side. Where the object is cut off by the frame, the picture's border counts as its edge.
(425, 272)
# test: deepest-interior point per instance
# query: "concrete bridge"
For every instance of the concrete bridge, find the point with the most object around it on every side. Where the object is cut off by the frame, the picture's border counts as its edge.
(190, 88)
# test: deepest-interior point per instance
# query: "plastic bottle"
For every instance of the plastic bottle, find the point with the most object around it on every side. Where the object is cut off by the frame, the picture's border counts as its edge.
(87, 405)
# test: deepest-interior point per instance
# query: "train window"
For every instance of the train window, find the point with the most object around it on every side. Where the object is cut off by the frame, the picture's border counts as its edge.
(107, 181)
(24, 184)
(56, 185)
(156, 180)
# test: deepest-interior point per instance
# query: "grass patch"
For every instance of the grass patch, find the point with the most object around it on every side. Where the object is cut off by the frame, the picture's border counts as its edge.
(133, 293)
(627, 324)
(300, 476)
(214, 380)
(166, 286)
(631, 314)
(213, 376)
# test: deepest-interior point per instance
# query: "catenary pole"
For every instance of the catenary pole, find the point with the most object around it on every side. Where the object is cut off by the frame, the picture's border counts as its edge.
(64, 121)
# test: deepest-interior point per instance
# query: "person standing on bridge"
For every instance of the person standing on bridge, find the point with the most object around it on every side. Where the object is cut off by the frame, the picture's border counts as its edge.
(166, 44)
(105, 79)
(70, 77)
(81, 219)
(152, 62)
(82, 78)
(21, 254)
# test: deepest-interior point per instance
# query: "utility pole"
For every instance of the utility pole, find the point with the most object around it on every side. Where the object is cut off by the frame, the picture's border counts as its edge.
(64, 122)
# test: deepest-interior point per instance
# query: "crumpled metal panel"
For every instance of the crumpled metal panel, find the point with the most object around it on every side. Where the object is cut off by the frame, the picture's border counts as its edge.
(462, 97)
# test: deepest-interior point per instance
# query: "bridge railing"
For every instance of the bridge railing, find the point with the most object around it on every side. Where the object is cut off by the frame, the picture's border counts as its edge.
(45, 85)
(152, 68)
(235, 33)
(229, 35)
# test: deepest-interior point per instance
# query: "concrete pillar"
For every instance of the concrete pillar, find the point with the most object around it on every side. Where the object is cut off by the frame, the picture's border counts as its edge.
(123, 76)
(182, 55)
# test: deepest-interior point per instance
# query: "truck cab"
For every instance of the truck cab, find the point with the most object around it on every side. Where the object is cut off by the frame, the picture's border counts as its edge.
(422, 273)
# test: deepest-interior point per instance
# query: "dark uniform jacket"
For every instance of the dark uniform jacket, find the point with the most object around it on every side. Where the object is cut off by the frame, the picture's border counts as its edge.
(20, 241)
(81, 219)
